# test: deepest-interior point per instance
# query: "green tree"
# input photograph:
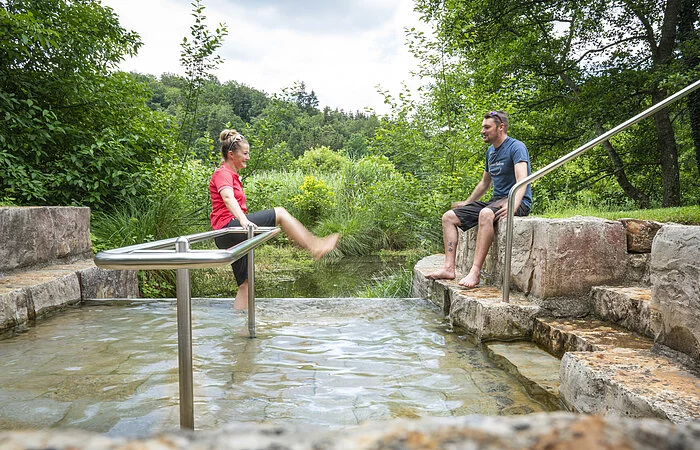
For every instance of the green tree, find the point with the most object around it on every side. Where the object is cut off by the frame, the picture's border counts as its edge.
(573, 69)
(72, 131)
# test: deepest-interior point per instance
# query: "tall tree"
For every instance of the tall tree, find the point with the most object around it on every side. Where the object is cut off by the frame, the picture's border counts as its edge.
(582, 65)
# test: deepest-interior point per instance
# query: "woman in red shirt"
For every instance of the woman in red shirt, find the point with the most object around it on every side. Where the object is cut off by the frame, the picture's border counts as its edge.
(229, 210)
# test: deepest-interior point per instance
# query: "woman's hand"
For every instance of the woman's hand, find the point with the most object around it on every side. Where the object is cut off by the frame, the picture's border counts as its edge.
(245, 223)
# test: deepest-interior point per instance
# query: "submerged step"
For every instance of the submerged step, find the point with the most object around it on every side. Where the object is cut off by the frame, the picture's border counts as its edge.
(537, 370)
(630, 382)
(559, 336)
(624, 306)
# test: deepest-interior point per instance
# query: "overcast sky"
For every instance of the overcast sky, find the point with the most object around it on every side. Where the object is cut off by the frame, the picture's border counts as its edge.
(342, 50)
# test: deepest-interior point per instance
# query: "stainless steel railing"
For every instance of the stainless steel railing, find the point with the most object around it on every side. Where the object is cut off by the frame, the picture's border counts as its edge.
(561, 161)
(175, 253)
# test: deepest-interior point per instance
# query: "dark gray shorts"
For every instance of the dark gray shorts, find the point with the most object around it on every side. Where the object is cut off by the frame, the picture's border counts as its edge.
(468, 214)
(266, 218)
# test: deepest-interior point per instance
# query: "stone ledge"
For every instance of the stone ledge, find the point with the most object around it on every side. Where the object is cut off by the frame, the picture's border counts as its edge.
(628, 307)
(559, 336)
(537, 370)
(30, 294)
(479, 311)
(630, 382)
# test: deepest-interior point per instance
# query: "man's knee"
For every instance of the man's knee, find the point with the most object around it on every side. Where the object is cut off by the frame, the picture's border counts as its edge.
(451, 218)
(486, 215)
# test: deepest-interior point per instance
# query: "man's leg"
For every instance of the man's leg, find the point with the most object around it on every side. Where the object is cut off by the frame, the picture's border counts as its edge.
(484, 238)
(450, 222)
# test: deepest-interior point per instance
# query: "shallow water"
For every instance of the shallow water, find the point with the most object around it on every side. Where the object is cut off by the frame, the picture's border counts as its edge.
(329, 362)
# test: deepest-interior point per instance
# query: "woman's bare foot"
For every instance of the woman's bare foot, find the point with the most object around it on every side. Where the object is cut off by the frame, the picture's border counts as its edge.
(325, 245)
(472, 279)
(442, 274)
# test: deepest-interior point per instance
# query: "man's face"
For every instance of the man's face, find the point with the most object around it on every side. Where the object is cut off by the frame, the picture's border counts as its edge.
(490, 129)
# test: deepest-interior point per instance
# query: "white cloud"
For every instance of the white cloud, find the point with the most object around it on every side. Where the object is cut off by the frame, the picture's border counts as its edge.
(341, 49)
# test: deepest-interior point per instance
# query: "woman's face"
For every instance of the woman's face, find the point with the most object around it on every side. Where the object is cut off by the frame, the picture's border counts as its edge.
(240, 156)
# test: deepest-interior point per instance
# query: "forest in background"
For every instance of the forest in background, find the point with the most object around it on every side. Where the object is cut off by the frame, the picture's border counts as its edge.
(139, 148)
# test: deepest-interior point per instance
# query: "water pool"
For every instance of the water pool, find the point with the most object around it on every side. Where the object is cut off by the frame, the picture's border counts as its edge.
(112, 367)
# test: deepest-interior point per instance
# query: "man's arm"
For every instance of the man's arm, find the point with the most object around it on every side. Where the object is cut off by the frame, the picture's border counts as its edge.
(520, 174)
(479, 190)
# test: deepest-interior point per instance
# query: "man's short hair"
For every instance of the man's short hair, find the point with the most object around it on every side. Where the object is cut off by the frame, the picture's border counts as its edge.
(501, 117)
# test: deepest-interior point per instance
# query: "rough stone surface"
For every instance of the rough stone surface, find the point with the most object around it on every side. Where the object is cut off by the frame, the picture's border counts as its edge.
(640, 234)
(625, 306)
(483, 313)
(537, 370)
(559, 336)
(675, 288)
(536, 431)
(100, 283)
(479, 311)
(630, 382)
(566, 257)
(28, 294)
(13, 308)
(638, 269)
(39, 235)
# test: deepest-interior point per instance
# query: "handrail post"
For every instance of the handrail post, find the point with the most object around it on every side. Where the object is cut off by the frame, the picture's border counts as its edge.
(251, 284)
(564, 159)
(184, 339)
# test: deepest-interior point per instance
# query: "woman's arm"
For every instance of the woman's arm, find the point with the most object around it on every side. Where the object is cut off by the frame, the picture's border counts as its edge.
(233, 206)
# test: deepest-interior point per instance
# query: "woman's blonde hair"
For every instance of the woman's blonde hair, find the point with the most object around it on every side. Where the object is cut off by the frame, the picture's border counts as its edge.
(230, 141)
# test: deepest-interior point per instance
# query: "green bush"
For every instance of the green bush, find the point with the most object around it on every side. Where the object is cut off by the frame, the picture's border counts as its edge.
(315, 198)
(321, 160)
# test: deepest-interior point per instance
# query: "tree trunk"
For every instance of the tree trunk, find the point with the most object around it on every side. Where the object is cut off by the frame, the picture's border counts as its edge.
(686, 33)
(670, 177)
(632, 192)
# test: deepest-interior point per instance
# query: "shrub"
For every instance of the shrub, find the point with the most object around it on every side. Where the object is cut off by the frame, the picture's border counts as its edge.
(321, 160)
(315, 198)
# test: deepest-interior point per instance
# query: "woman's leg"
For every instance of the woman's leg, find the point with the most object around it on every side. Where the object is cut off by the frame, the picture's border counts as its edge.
(241, 301)
(297, 232)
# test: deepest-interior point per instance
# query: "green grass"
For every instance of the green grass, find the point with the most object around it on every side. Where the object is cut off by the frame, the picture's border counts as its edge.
(688, 215)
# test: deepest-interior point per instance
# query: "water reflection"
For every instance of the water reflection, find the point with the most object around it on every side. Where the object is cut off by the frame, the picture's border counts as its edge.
(332, 362)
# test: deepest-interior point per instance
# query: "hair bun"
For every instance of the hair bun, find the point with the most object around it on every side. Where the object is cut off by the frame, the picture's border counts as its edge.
(227, 134)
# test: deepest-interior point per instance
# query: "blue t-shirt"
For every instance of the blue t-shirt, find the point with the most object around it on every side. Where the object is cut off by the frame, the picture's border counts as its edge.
(500, 164)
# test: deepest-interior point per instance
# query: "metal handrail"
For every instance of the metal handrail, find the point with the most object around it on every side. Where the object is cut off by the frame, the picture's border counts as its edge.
(175, 253)
(559, 162)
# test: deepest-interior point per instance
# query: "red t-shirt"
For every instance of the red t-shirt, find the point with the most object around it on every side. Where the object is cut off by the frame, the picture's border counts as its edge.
(224, 178)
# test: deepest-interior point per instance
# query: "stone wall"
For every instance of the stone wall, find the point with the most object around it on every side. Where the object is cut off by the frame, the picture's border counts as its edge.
(32, 236)
(560, 258)
(46, 264)
(675, 288)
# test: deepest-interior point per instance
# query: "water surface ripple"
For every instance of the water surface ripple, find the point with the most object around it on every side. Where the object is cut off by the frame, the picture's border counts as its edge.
(328, 362)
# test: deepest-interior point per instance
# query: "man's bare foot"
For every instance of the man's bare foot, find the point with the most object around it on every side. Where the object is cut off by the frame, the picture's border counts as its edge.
(471, 280)
(325, 245)
(442, 274)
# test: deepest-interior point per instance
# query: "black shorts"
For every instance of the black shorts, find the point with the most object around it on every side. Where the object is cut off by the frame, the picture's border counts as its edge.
(266, 218)
(468, 214)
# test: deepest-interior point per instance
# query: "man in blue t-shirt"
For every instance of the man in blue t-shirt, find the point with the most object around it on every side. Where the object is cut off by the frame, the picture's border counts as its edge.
(507, 162)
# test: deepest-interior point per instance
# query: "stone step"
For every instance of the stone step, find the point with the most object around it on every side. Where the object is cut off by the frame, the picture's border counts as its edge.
(537, 370)
(479, 311)
(624, 306)
(559, 336)
(29, 294)
(630, 382)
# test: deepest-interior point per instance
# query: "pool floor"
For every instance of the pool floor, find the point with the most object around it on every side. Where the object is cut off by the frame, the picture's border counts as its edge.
(112, 368)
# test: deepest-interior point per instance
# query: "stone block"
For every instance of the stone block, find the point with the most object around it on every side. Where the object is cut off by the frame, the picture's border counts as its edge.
(565, 257)
(53, 294)
(625, 306)
(483, 314)
(13, 308)
(101, 283)
(631, 383)
(40, 235)
(675, 288)
(640, 234)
